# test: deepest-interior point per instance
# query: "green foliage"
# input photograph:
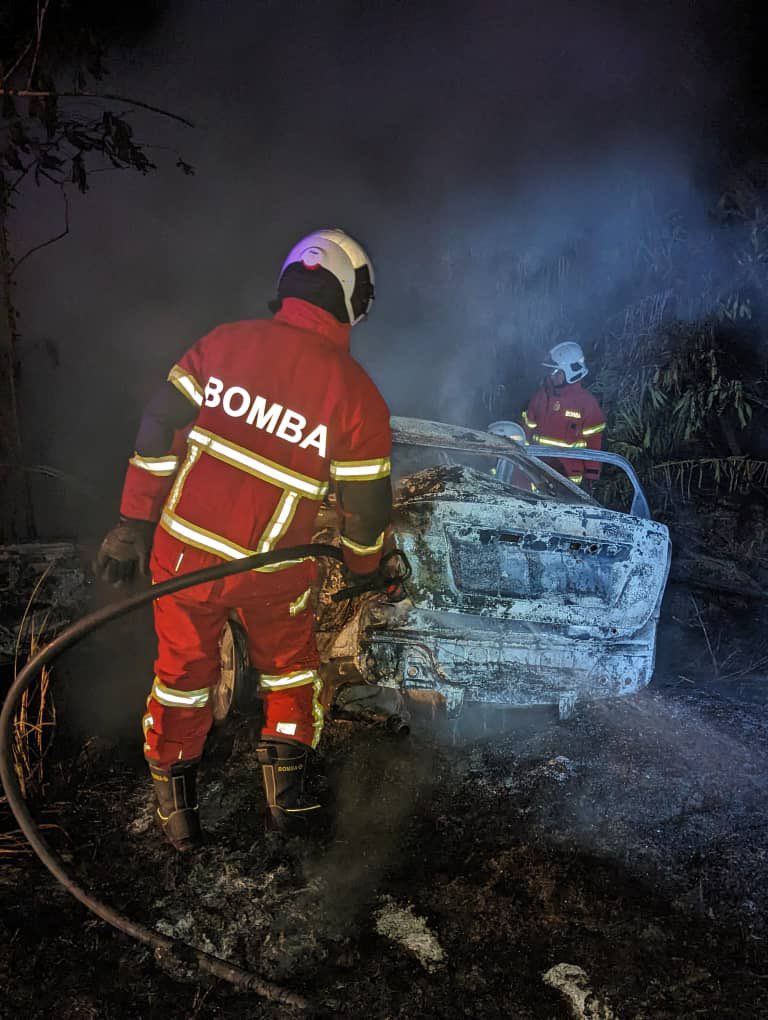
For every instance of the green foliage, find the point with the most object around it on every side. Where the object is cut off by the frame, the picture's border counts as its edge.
(733, 474)
(681, 398)
(679, 410)
(679, 364)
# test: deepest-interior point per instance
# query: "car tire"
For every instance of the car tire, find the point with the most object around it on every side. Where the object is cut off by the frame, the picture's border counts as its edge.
(237, 689)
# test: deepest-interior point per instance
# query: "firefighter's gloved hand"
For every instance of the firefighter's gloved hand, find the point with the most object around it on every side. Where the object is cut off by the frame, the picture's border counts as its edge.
(385, 578)
(393, 586)
(124, 550)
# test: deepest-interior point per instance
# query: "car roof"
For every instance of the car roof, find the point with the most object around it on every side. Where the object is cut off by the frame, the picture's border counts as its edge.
(442, 436)
(420, 432)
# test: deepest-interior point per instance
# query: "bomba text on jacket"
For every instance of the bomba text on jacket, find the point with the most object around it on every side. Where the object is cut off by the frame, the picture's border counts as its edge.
(280, 421)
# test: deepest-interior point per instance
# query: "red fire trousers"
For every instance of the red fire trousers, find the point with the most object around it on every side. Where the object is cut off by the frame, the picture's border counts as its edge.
(276, 611)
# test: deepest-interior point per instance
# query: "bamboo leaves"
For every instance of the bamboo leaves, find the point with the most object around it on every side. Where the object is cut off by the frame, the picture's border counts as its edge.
(671, 412)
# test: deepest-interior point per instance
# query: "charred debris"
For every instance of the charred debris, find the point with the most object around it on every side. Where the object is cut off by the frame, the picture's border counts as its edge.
(616, 858)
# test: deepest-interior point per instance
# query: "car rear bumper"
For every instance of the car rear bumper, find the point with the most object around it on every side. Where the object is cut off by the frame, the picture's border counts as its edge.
(521, 667)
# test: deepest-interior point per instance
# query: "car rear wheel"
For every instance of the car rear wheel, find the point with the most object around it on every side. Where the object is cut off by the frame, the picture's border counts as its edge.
(237, 688)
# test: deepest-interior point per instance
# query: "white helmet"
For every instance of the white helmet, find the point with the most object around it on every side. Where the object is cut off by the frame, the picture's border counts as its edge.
(567, 358)
(345, 260)
(508, 429)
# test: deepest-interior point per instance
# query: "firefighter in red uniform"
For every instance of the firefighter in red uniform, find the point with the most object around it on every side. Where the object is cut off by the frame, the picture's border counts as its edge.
(563, 414)
(233, 456)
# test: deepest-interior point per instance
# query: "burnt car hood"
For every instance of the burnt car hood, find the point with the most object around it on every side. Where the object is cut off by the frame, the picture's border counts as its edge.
(483, 550)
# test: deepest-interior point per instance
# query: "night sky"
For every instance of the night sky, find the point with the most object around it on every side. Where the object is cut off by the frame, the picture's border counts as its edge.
(454, 140)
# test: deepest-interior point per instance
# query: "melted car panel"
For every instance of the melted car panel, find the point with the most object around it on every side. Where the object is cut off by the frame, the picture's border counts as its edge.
(522, 594)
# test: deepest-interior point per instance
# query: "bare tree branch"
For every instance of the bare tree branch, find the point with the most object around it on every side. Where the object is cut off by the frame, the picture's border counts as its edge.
(40, 19)
(706, 638)
(22, 57)
(44, 93)
(53, 144)
(51, 240)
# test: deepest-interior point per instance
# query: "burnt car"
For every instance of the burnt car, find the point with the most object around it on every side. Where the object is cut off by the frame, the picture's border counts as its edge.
(525, 590)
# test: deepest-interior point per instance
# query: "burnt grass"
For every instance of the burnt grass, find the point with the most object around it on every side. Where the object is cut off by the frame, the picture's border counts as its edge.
(629, 840)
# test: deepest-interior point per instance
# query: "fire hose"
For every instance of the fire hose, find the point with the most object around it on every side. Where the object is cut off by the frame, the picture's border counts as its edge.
(66, 639)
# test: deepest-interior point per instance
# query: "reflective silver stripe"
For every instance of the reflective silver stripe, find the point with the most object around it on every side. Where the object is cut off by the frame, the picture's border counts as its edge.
(300, 604)
(281, 521)
(302, 679)
(203, 539)
(186, 384)
(161, 466)
(179, 699)
(208, 541)
(593, 430)
(146, 722)
(527, 420)
(363, 550)
(578, 445)
(360, 470)
(247, 460)
(193, 453)
(297, 679)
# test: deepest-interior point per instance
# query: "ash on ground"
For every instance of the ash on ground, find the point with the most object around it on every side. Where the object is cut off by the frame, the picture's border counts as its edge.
(464, 866)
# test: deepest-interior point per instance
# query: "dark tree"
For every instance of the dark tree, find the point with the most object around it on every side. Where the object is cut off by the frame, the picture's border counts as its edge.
(57, 125)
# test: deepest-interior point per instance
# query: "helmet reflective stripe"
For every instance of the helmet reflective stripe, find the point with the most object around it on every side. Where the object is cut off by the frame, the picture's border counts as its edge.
(346, 260)
(568, 358)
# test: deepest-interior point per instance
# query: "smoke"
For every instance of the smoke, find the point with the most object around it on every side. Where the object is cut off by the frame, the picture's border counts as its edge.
(658, 776)
(378, 785)
(517, 275)
(506, 165)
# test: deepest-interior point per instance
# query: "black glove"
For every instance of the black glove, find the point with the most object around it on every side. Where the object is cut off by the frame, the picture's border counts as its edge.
(388, 578)
(125, 549)
(378, 580)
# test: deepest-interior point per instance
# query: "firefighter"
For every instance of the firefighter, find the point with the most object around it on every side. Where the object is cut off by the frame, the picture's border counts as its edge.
(233, 456)
(564, 414)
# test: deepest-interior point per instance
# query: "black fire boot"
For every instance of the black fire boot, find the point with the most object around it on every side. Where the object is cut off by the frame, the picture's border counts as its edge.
(177, 811)
(284, 771)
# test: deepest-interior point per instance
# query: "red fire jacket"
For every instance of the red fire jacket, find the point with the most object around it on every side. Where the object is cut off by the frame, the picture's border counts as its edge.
(566, 416)
(281, 409)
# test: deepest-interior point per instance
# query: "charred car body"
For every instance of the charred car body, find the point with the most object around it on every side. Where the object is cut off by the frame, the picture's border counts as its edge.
(525, 591)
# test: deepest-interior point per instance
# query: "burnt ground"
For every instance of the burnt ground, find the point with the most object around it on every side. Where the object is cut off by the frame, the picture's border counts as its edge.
(629, 841)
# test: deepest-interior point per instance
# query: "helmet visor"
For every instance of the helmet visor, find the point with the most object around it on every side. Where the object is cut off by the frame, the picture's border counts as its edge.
(362, 293)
